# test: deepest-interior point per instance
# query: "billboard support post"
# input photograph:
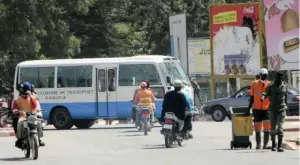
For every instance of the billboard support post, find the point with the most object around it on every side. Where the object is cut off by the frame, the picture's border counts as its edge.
(178, 37)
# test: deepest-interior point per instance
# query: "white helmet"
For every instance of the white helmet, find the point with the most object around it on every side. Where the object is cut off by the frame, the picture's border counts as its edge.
(177, 83)
(263, 71)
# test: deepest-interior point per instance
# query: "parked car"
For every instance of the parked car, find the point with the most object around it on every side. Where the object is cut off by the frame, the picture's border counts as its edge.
(219, 108)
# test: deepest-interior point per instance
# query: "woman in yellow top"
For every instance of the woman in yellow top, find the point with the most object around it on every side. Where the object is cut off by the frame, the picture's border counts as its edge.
(144, 98)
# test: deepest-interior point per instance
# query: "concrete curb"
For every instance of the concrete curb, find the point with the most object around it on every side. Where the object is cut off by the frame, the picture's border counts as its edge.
(292, 119)
(291, 130)
(288, 145)
(7, 133)
(102, 122)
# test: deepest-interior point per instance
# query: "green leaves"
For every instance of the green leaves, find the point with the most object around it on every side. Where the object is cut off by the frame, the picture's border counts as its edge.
(52, 29)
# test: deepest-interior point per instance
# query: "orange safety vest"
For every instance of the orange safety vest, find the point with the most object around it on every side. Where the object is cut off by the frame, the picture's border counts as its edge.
(25, 104)
(145, 98)
(256, 90)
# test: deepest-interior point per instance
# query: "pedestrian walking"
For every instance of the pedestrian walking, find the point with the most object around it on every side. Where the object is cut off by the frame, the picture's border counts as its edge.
(196, 89)
(260, 108)
(277, 94)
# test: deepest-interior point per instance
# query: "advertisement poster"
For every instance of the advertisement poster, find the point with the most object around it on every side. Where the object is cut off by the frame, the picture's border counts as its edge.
(199, 56)
(282, 33)
(236, 39)
(178, 39)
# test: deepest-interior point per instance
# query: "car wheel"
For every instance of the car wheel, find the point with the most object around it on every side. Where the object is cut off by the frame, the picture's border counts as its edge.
(218, 114)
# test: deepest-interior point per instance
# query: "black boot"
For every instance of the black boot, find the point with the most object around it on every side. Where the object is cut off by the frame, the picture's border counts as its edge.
(190, 136)
(279, 147)
(273, 148)
(19, 143)
(258, 140)
(266, 140)
(42, 144)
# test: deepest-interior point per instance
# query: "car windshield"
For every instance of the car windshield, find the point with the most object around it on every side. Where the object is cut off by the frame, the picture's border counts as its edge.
(175, 71)
(293, 91)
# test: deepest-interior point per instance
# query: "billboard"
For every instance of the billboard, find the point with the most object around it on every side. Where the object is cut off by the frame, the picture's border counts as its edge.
(199, 56)
(282, 33)
(178, 39)
(236, 39)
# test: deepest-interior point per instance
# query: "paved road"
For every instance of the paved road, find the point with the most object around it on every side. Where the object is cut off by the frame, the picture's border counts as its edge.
(210, 146)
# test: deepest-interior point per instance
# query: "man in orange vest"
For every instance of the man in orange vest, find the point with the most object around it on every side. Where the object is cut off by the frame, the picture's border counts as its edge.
(260, 108)
(25, 103)
(144, 98)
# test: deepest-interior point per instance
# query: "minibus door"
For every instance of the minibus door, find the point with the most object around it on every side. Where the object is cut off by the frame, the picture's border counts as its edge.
(106, 91)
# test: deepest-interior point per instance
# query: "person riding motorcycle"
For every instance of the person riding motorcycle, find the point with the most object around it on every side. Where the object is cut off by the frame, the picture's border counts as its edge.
(38, 106)
(25, 103)
(134, 109)
(188, 114)
(144, 98)
(176, 102)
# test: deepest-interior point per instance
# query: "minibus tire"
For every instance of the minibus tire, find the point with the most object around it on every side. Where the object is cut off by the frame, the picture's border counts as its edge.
(84, 123)
(57, 115)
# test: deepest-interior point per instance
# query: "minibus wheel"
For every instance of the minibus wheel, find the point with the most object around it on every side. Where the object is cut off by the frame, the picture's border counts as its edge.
(84, 123)
(61, 118)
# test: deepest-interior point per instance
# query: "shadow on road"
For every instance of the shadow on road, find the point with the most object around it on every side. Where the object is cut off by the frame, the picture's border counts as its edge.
(129, 131)
(96, 128)
(223, 149)
(133, 135)
(242, 150)
(14, 159)
(253, 151)
(73, 129)
(151, 147)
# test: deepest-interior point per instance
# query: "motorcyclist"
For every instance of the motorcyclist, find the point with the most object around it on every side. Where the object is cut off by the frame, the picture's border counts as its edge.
(176, 102)
(15, 118)
(38, 106)
(144, 98)
(188, 115)
(148, 87)
(26, 102)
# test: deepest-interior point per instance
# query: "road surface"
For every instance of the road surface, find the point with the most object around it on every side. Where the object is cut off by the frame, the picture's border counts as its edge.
(126, 146)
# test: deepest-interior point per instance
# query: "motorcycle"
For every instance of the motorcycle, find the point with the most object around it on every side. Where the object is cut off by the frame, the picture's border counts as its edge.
(44, 122)
(133, 116)
(170, 130)
(195, 115)
(29, 134)
(145, 123)
(6, 117)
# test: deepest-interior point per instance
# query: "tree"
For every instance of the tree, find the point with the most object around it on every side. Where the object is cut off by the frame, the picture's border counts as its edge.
(34, 30)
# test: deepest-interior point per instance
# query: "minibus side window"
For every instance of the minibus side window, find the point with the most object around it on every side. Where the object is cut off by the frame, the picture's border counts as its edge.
(133, 74)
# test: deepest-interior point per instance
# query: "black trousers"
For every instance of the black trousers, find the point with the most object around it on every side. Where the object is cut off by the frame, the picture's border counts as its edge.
(187, 122)
(15, 124)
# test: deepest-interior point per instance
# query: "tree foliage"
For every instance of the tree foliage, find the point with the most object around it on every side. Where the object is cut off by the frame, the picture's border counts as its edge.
(52, 29)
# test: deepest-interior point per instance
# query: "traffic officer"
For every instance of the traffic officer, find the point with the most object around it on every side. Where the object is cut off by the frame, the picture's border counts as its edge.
(277, 93)
(260, 108)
